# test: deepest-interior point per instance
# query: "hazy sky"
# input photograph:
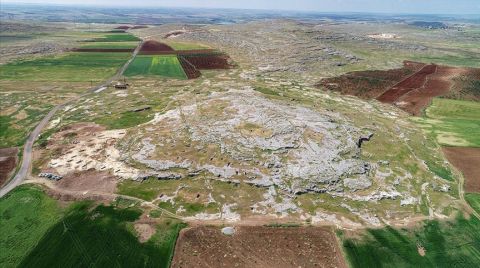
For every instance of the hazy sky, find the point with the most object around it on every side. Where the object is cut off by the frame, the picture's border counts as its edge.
(393, 6)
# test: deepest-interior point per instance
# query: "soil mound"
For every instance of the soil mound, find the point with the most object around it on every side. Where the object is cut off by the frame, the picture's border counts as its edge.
(154, 46)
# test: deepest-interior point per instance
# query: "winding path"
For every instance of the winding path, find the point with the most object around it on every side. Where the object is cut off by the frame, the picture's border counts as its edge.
(24, 169)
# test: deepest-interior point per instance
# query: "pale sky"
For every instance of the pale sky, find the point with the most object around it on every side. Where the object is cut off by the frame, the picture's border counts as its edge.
(389, 6)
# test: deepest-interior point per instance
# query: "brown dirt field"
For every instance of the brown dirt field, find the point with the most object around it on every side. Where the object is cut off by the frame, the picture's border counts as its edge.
(139, 27)
(417, 80)
(369, 84)
(8, 162)
(103, 49)
(439, 83)
(466, 85)
(258, 247)
(123, 27)
(208, 62)
(182, 52)
(191, 71)
(151, 46)
(410, 88)
(467, 160)
(88, 180)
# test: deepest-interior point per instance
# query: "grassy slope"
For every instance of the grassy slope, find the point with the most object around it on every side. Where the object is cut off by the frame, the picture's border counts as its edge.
(70, 67)
(25, 215)
(453, 122)
(185, 45)
(117, 37)
(474, 200)
(100, 238)
(166, 66)
(455, 244)
(36, 233)
(119, 45)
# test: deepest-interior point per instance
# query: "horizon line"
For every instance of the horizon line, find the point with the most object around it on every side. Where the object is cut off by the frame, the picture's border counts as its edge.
(230, 8)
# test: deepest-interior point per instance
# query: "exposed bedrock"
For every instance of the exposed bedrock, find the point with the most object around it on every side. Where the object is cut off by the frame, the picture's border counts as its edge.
(239, 136)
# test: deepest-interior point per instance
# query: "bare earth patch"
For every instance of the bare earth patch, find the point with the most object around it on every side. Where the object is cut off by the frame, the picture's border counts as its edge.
(8, 162)
(144, 231)
(89, 180)
(258, 247)
(467, 160)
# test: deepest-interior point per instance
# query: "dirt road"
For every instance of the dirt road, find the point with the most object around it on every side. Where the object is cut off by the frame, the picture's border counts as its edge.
(28, 147)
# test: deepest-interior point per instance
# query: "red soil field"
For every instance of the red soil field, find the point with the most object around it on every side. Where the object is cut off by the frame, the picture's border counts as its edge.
(209, 61)
(180, 52)
(8, 162)
(139, 27)
(191, 71)
(437, 83)
(467, 160)
(414, 81)
(410, 88)
(369, 84)
(103, 49)
(123, 27)
(151, 47)
(258, 246)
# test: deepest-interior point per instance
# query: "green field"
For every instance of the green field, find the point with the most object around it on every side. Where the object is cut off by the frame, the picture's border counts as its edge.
(453, 122)
(25, 215)
(446, 244)
(36, 232)
(166, 66)
(185, 45)
(474, 200)
(105, 45)
(101, 238)
(71, 67)
(14, 132)
(120, 37)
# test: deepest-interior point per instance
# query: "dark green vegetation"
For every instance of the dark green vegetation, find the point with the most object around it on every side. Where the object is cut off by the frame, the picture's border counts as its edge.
(106, 45)
(100, 238)
(119, 37)
(449, 244)
(25, 215)
(36, 232)
(71, 67)
(446, 244)
(473, 200)
(453, 122)
(166, 66)
(146, 190)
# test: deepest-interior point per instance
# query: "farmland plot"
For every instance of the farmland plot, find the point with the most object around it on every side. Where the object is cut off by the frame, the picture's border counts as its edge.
(166, 66)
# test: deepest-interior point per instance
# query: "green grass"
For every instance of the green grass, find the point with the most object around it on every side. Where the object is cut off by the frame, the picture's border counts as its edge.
(452, 244)
(101, 238)
(72, 67)
(462, 60)
(25, 215)
(165, 66)
(105, 45)
(146, 190)
(120, 37)
(453, 122)
(14, 132)
(474, 200)
(125, 120)
(186, 46)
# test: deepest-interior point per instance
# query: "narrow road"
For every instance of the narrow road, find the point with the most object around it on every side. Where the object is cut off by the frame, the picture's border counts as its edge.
(24, 169)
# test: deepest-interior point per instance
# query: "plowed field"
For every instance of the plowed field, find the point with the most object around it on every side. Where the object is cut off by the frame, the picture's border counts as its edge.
(258, 247)
(467, 160)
